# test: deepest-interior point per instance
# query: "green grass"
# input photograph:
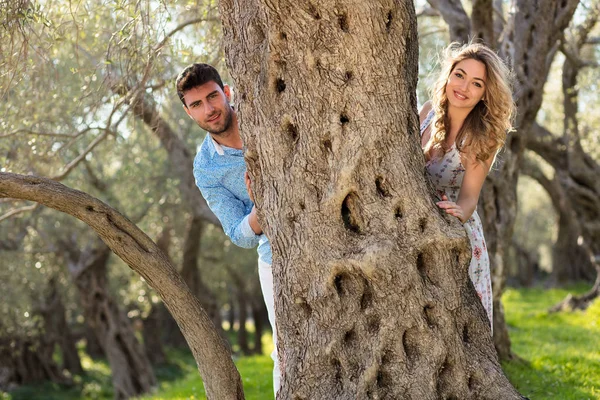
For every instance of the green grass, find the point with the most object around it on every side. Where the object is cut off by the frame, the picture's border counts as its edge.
(559, 358)
(559, 352)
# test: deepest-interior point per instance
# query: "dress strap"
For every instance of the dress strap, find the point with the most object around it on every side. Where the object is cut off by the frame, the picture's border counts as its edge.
(427, 121)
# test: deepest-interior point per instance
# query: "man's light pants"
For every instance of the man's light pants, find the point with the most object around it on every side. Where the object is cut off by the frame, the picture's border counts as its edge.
(265, 274)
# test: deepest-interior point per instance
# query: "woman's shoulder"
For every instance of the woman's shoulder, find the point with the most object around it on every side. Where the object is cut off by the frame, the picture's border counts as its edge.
(425, 109)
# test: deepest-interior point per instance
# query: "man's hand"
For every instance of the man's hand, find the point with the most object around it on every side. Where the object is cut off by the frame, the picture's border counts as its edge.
(248, 188)
(253, 221)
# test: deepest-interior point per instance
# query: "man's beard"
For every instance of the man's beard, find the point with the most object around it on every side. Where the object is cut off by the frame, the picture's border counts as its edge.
(227, 118)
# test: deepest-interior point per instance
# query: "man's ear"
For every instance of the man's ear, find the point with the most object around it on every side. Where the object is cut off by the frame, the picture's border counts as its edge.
(187, 110)
(227, 92)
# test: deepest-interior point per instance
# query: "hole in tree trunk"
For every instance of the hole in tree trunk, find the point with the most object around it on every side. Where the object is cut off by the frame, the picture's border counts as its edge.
(280, 85)
(344, 119)
(349, 337)
(351, 213)
(465, 334)
(292, 131)
(409, 342)
(283, 36)
(388, 21)
(381, 189)
(312, 10)
(398, 212)
(343, 21)
(338, 282)
(429, 315)
(422, 224)
(367, 297)
(348, 76)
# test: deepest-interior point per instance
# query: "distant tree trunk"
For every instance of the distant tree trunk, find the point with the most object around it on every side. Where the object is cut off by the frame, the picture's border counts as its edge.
(57, 329)
(242, 333)
(571, 259)
(152, 331)
(191, 271)
(259, 316)
(191, 274)
(231, 313)
(27, 360)
(132, 372)
(373, 298)
(527, 264)
(92, 344)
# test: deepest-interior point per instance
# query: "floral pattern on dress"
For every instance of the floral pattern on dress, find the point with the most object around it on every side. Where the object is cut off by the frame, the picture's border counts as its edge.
(446, 174)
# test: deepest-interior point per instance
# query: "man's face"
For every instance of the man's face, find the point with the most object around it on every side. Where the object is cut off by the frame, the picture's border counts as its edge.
(208, 105)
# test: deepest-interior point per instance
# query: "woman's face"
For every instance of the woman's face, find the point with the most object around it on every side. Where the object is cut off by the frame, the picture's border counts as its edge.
(466, 84)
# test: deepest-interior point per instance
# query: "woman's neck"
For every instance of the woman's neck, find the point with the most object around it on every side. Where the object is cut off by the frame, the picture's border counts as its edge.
(456, 117)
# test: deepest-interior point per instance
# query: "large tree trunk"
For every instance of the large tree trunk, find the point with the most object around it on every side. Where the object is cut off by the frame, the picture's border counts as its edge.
(131, 370)
(221, 378)
(373, 298)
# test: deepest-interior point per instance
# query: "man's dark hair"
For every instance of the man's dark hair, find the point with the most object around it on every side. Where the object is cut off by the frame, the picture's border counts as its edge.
(196, 75)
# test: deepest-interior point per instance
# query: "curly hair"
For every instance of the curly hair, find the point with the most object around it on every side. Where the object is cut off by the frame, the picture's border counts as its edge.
(485, 128)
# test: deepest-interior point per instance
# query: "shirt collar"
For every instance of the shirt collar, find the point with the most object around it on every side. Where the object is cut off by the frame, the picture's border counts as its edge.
(216, 147)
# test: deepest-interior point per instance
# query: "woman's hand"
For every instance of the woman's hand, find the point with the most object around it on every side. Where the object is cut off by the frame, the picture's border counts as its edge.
(451, 208)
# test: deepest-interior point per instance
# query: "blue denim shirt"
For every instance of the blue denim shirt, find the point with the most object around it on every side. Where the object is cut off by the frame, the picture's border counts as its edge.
(219, 173)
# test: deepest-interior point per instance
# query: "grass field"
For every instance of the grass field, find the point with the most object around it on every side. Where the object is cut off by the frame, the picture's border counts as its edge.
(558, 358)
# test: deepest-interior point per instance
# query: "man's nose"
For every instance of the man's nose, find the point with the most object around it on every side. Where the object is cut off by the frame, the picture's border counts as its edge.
(208, 108)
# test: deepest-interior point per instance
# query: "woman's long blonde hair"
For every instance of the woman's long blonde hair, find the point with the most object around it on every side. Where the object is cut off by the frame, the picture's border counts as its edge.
(485, 128)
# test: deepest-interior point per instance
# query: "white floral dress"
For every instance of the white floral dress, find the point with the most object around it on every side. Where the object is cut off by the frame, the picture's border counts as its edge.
(447, 174)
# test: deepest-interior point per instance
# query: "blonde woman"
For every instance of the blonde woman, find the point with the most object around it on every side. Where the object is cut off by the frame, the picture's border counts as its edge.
(462, 129)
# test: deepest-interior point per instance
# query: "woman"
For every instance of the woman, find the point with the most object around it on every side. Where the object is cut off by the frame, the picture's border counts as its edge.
(462, 129)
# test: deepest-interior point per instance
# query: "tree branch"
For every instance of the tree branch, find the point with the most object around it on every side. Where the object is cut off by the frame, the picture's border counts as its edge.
(455, 16)
(143, 256)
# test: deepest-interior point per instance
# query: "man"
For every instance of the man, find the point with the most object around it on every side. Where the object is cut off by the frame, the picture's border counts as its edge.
(220, 173)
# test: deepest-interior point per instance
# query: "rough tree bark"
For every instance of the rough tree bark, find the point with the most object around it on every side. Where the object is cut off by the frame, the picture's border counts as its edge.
(221, 378)
(131, 370)
(373, 298)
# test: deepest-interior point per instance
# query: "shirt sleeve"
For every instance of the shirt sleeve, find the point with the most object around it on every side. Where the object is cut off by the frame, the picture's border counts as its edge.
(230, 210)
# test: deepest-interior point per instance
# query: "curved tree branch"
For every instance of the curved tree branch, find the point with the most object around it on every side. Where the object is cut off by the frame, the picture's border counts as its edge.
(133, 246)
